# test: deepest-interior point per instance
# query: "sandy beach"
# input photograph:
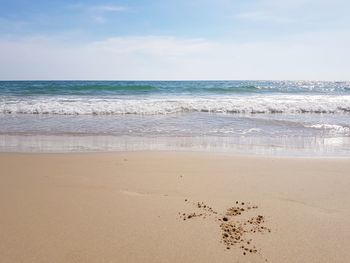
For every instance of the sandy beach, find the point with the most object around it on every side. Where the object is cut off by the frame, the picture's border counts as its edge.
(130, 207)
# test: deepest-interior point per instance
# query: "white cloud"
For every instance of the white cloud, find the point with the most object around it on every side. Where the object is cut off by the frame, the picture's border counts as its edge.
(98, 8)
(99, 19)
(257, 16)
(10, 24)
(98, 13)
(154, 46)
(108, 8)
(300, 12)
(312, 56)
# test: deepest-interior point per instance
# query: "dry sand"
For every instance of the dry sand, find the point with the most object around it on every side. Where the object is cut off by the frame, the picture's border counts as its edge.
(130, 207)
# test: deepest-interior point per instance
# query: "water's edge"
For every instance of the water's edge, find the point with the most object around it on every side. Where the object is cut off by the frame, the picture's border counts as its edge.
(298, 147)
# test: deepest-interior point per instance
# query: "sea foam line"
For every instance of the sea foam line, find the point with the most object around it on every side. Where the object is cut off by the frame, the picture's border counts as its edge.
(169, 105)
(332, 128)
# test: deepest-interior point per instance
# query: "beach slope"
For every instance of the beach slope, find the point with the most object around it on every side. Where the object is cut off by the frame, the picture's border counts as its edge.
(173, 207)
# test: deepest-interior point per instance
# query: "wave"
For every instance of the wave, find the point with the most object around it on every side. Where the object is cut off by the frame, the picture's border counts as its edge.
(88, 89)
(115, 88)
(57, 88)
(331, 128)
(168, 105)
(228, 89)
(82, 89)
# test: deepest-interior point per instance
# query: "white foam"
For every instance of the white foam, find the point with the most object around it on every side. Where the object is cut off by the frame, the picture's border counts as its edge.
(169, 105)
(332, 128)
(252, 130)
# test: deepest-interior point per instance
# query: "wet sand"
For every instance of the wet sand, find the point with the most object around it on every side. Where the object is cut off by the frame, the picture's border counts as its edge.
(173, 207)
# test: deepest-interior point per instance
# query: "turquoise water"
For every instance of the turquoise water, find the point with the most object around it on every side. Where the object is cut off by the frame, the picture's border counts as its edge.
(101, 88)
(306, 117)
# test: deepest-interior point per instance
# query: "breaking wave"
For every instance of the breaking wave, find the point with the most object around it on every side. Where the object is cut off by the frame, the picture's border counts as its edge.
(331, 128)
(290, 104)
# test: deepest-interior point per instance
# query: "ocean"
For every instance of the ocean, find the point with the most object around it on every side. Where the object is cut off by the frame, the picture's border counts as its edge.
(309, 118)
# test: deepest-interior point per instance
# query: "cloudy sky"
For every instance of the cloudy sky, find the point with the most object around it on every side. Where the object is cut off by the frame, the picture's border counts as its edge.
(182, 39)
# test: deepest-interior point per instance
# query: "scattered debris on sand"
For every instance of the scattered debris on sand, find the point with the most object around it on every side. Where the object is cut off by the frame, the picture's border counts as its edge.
(237, 231)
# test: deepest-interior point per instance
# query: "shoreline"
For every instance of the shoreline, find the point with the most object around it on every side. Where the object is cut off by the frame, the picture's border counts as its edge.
(180, 152)
(255, 146)
(129, 206)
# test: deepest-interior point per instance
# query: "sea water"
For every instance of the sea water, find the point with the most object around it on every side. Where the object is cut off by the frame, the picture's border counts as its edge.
(260, 117)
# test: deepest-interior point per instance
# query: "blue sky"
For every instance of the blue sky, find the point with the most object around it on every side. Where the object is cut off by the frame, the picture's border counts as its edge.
(222, 39)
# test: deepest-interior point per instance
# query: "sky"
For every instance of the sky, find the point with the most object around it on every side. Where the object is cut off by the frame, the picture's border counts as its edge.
(174, 40)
